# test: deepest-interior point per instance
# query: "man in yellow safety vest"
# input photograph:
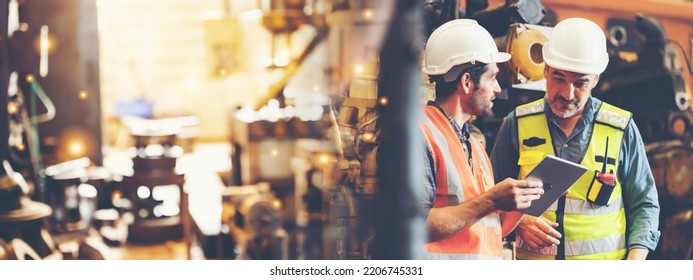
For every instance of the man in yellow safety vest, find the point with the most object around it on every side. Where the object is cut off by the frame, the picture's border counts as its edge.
(612, 211)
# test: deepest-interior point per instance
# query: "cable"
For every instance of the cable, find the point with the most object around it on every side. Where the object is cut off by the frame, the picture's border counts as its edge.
(50, 107)
(31, 125)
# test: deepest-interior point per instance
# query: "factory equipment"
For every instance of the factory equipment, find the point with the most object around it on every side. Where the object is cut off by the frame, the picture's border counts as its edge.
(73, 200)
(252, 217)
(329, 147)
(321, 211)
(22, 219)
(497, 19)
(155, 188)
(645, 76)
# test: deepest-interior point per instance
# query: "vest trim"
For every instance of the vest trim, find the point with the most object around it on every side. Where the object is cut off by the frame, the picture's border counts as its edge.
(613, 119)
(455, 192)
(595, 246)
(582, 207)
(582, 247)
(530, 109)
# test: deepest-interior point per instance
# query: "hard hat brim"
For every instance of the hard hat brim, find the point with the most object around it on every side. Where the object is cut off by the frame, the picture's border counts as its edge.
(582, 68)
(502, 57)
(499, 57)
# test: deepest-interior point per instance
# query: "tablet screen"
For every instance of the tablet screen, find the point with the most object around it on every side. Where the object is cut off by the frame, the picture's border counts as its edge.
(558, 175)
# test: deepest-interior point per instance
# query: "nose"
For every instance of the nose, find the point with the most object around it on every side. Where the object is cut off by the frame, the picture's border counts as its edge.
(567, 91)
(496, 88)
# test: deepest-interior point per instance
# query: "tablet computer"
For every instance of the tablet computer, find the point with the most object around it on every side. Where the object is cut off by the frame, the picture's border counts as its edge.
(558, 175)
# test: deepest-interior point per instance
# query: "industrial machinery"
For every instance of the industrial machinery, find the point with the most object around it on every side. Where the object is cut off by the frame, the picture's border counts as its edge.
(73, 200)
(23, 219)
(645, 76)
(303, 160)
(155, 186)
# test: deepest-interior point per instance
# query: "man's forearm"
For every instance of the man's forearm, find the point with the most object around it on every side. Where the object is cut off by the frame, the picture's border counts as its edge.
(637, 254)
(445, 222)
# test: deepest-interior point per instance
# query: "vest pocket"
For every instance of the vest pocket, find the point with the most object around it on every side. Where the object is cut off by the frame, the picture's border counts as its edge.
(528, 160)
(598, 192)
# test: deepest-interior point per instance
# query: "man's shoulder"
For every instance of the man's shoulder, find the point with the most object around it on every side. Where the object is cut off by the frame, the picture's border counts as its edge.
(531, 108)
(613, 116)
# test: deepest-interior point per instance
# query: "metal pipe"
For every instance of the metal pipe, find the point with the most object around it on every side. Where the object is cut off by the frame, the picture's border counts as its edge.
(399, 224)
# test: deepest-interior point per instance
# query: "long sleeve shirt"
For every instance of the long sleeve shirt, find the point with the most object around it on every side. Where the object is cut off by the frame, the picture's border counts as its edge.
(639, 190)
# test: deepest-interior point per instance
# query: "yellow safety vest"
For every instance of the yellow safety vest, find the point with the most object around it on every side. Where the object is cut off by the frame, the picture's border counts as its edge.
(590, 231)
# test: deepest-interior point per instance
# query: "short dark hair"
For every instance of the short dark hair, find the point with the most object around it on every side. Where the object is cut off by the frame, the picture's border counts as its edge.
(446, 89)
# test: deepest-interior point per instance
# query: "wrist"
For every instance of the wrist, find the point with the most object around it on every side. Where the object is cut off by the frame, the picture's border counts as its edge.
(637, 254)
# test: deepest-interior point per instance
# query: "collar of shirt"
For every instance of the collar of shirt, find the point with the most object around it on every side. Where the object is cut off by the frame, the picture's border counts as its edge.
(462, 132)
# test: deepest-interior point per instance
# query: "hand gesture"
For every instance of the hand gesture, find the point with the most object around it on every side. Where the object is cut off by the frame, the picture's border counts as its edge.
(511, 194)
(538, 232)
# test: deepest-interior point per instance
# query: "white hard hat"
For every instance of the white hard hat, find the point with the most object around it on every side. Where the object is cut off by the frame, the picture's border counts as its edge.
(577, 45)
(459, 42)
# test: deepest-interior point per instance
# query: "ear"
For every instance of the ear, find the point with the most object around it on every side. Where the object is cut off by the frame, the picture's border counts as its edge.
(466, 83)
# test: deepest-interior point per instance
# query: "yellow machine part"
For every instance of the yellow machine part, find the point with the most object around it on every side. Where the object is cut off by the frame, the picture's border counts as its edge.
(525, 45)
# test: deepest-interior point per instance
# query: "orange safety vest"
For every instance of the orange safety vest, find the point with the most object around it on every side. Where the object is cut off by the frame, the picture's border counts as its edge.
(456, 182)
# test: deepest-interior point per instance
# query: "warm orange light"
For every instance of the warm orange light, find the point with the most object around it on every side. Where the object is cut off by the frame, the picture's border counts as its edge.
(75, 142)
(29, 78)
(12, 108)
(383, 101)
(358, 69)
(324, 159)
(20, 147)
(368, 137)
(76, 148)
(49, 44)
(116, 195)
(45, 44)
(276, 204)
(679, 126)
(83, 95)
(367, 14)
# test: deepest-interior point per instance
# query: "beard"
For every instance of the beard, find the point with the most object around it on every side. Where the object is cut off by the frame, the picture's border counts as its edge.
(480, 105)
(561, 107)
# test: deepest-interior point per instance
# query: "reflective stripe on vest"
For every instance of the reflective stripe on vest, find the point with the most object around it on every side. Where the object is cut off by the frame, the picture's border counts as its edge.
(453, 195)
(610, 247)
(455, 183)
(582, 207)
(596, 230)
(595, 246)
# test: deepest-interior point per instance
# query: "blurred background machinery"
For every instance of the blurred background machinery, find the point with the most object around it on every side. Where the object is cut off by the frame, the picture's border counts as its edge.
(154, 188)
